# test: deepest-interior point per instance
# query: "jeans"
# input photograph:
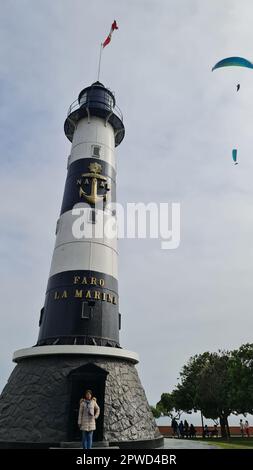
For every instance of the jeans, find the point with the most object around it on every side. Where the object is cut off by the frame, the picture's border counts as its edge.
(87, 439)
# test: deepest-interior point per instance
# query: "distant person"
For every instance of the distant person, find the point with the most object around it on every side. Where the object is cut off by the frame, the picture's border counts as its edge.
(246, 427)
(241, 427)
(238, 87)
(88, 413)
(174, 426)
(192, 431)
(186, 428)
(181, 429)
(206, 431)
(215, 431)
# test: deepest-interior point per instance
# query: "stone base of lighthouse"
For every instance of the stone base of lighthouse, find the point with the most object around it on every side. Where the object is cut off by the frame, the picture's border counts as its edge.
(39, 405)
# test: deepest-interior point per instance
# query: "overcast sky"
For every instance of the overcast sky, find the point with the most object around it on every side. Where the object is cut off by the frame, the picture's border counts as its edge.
(182, 122)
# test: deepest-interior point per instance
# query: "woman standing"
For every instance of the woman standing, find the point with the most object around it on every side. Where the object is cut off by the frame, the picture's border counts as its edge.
(88, 413)
(246, 427)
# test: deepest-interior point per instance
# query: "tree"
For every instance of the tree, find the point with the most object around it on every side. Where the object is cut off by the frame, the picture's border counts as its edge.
(165, 407)
(241, 370)
(155, 412)
(217, 384)
(213, 389)
(201, 387)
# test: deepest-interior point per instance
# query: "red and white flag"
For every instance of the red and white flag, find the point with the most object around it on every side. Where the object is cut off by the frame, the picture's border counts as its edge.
(108, 39)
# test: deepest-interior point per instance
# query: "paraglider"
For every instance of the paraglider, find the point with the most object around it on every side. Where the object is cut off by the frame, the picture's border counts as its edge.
(234, 156)
(233, 62)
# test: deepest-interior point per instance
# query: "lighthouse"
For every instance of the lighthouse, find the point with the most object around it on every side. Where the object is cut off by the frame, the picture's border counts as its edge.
(78, 345)
(82, 305)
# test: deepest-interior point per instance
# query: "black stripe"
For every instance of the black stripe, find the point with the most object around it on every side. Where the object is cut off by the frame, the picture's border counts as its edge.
(76, 169)
(73, 295)
(66, 279)
(82, 165)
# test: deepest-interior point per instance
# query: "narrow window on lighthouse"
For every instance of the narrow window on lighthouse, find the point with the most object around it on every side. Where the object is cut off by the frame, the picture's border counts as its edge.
(41, 316)
(83, 99)
(69, 157)
(57, 226)
(85, 311)
(96, 151)
(92, 216)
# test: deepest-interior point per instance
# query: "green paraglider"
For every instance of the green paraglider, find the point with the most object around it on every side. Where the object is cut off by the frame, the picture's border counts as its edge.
(233, 62)
(234, 156)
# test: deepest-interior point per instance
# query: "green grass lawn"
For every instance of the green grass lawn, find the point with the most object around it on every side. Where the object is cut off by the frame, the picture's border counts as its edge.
(232, 443)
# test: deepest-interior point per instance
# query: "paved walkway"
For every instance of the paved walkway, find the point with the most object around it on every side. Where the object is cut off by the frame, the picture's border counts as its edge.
(187, 444)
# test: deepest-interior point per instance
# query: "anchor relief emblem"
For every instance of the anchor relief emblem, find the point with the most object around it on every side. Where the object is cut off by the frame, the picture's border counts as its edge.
(95, 181)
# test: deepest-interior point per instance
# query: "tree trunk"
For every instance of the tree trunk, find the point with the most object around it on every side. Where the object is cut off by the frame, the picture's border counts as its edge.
(223, 429)
(227, 427)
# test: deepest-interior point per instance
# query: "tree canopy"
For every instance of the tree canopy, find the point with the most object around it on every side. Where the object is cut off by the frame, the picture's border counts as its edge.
(215, 383)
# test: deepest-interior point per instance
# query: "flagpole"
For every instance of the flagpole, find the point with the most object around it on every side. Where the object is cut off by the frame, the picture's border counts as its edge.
(99, 62)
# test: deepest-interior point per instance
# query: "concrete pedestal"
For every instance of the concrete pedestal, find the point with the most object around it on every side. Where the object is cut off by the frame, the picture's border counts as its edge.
(41, 399)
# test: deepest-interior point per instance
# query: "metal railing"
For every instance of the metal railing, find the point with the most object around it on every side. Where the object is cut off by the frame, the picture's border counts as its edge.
(91, 103)
(89, 340)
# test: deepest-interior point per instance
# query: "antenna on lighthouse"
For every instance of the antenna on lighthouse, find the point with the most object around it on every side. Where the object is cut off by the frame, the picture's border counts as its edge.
(104, 44)
(99, 62)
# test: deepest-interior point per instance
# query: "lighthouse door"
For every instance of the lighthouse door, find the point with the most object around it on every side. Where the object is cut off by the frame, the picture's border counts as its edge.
(86, 377)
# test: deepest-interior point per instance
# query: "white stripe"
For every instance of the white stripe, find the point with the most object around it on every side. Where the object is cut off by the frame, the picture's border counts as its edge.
(65, 225)
(93, 133)
(76, 349)
(84, 256)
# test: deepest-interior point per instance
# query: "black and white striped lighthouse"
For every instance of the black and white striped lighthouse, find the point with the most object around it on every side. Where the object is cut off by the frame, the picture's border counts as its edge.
(81, 304)
(78, 345)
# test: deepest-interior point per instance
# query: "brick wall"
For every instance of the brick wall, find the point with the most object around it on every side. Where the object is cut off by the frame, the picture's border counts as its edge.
(234, 430)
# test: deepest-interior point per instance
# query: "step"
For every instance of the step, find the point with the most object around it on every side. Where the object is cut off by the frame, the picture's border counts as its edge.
(78, 445)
